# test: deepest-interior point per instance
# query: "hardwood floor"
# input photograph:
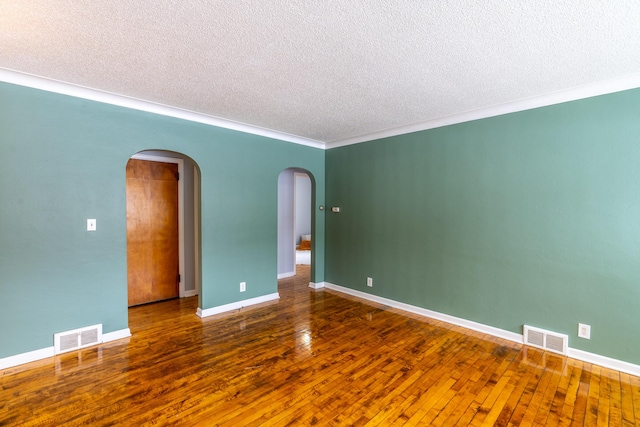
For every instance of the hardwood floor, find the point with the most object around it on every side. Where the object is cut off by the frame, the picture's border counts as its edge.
(311, 358)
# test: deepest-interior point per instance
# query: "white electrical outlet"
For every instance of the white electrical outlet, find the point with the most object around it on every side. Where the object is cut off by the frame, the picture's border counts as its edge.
(243, 286)
(584, 331)
(369, 282)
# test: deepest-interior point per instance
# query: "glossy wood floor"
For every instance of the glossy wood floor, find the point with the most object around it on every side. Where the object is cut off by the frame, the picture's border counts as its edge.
(313, 358)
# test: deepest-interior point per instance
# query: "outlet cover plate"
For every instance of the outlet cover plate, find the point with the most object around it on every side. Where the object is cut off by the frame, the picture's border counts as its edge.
(584, 331)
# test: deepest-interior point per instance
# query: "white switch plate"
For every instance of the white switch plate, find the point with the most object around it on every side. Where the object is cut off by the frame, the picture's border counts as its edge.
(584, 331)
(243, 286)
(369, 282)
(91, 225)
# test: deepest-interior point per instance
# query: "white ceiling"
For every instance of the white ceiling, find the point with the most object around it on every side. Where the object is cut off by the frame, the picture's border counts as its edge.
(329, 71)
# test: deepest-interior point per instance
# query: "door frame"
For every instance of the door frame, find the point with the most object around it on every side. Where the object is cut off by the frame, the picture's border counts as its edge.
(180, 163)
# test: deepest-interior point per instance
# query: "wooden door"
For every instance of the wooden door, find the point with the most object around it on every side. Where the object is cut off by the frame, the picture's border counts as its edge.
(152, 231)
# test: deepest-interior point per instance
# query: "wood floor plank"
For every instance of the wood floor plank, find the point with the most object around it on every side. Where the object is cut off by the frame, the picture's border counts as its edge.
(580, 405)
(615, 399)
(463, 370)
(591, 414)
(557, 372)
(524, 377)
(311, 358)
(501, 361)
(565, 413)
(626, 397)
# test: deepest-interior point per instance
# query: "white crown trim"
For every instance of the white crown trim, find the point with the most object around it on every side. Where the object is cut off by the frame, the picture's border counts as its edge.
(572, 94)
(584, 356)
(55, 86)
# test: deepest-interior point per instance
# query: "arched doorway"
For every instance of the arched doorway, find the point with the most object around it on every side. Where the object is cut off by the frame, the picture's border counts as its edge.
(163, 227)
(295, 220)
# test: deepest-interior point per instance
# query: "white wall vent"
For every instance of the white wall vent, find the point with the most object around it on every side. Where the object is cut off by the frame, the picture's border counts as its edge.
(76, 339)
(546, 340)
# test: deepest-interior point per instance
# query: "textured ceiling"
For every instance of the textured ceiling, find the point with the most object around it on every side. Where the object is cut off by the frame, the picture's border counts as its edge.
(324, 70)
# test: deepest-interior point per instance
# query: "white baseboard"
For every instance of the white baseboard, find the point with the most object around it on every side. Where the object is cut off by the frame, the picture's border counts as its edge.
(584, 356)
(316, 286)
(191, 293)
(285, 275)
(43, 353)
(116, 335)
(30, 356)
(501, 333)
(604, 361)
(236, 305)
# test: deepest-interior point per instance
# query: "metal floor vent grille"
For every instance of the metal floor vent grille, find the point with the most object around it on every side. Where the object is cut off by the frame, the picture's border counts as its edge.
(547, 340)
(76, 339)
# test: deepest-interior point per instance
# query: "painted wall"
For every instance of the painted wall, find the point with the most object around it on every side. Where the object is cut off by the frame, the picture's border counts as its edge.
(302, 205)
(285, 223)
(527, 218)
(62, 160)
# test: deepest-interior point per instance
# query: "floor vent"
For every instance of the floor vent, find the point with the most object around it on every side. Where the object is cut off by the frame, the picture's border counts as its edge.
(76, 339)
(547, 340)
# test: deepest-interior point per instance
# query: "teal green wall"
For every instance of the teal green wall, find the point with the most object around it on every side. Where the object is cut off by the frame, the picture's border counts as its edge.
(527, 218)
(62, 160)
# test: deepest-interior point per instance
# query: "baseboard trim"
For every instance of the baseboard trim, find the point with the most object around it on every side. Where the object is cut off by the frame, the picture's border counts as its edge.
(581, 355)
(30, 356)
(475, 326)
(604, 361)
(191, 293)
(43, 353)
(236, 305)
(285, 275)
(116, 335)
(316, 286)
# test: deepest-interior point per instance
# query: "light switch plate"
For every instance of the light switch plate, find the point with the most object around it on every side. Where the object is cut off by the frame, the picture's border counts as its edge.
(91, 225)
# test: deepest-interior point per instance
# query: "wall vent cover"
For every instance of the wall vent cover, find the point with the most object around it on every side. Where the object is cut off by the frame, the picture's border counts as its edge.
(546, 340)
(77, 339)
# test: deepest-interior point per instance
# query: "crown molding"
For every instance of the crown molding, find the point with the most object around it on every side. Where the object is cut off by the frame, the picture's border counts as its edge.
(572, 94)
(56, 86)
(567, 95)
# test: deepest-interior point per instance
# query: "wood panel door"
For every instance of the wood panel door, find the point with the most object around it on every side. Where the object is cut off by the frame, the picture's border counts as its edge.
(152, 231)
